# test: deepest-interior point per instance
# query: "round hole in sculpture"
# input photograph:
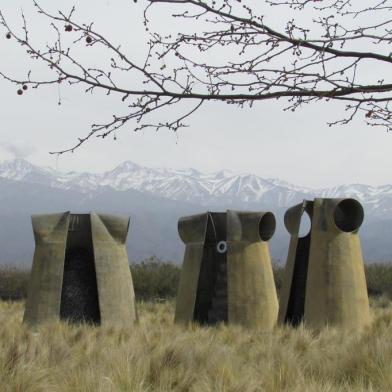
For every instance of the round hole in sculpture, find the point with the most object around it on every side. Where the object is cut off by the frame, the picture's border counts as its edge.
(267, 226)
(348, 215)
(221, 247)
(304, 225)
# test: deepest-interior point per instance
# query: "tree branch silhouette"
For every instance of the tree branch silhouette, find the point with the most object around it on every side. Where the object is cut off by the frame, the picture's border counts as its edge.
(235, 56)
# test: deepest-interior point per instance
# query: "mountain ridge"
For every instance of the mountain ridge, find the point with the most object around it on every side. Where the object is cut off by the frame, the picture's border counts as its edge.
(243, 190)
(156, 198)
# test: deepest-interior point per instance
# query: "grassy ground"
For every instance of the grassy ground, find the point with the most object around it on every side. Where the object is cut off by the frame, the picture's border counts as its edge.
(156, 355)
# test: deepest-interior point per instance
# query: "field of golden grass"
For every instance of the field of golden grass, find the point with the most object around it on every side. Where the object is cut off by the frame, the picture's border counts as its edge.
(156, 355)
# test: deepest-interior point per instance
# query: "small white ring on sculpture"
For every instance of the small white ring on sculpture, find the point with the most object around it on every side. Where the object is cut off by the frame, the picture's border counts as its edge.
(221, 247)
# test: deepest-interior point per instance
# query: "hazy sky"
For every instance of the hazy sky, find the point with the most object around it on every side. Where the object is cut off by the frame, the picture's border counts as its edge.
(298, 147)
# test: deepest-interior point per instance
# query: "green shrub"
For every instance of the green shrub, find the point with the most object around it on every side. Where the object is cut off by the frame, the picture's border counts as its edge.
(154, 279)
(379, 280)
(278, 275)
(13, 283)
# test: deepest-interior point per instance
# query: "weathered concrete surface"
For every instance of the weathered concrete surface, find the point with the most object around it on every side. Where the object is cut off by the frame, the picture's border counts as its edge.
(239, 279)
(114, 281)
(44, 291)
(113, 278)
(334, 284)
(192, 231)
(252, 298)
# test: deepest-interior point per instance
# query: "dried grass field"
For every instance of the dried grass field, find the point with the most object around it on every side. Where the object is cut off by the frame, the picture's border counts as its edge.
(157, 355)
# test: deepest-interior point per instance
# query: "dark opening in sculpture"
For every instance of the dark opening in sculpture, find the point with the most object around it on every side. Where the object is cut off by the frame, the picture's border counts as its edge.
(296, 306)
(348, 215)
(211, 297)
(79, 294)
(296, 303)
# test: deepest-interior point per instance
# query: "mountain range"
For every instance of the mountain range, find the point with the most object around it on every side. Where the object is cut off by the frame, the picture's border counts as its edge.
(155, 198)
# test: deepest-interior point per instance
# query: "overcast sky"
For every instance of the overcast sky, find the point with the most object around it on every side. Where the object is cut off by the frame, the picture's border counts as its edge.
(297, 147)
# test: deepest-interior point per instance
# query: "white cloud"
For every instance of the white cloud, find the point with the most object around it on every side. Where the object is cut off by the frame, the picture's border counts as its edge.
(21, 150)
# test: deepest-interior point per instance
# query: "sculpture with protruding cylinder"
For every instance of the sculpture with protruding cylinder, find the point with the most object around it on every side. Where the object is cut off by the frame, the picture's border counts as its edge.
(324, 281)
(227, 274)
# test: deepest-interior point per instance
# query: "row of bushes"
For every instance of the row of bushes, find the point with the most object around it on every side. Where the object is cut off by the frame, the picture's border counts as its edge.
(154, 280)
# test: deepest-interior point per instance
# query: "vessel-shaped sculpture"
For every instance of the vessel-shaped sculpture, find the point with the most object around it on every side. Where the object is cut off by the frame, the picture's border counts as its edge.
(227, 273)
(324, 282)
(80, 270)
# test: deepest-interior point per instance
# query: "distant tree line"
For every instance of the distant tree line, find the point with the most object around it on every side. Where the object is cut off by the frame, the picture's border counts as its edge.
(157, 280)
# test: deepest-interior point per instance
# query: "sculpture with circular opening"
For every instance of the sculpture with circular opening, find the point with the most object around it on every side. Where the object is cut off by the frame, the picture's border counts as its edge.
(80, 270)
(227, 273)
(324, 280)
(292, 294)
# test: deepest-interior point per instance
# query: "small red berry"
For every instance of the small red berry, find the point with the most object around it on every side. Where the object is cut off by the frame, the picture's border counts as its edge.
(68, 27)
(20, 92)
(8, 35)
(25, 87)
(89, 39)
(369, 113)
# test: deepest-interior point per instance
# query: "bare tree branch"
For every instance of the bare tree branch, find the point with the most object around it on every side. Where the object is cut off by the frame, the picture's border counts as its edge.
(323, 60)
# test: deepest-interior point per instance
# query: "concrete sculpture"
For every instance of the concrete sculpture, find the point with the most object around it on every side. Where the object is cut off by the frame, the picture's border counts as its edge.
(80, 270)
(324, 279)
(227, 274)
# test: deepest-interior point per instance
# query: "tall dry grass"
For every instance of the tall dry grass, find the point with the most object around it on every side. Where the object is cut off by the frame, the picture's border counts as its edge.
(156, 355)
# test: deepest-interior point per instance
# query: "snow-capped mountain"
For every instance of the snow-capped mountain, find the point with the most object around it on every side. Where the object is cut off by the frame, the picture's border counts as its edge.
(221, 188)
(156, 198)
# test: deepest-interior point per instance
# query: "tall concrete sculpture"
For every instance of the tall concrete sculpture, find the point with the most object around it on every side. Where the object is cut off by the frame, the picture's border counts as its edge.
(324, 279)
(80, 270)
(227, 274)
